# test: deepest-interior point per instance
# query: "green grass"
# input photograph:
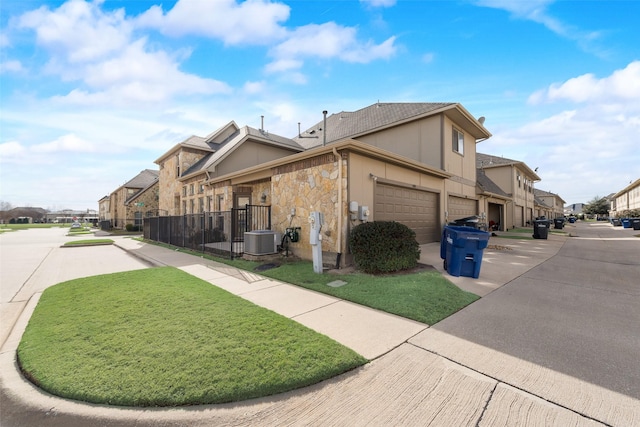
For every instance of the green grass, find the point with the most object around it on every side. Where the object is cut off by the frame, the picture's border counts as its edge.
(160, 337)
(425, 296)
(89, 242)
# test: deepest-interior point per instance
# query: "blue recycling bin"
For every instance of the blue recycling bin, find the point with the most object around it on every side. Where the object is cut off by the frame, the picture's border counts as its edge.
(626, 223)
(461, 248)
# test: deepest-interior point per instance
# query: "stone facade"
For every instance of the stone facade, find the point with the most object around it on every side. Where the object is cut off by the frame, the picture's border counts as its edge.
(145, 203)
(307, 186)
(171, 190)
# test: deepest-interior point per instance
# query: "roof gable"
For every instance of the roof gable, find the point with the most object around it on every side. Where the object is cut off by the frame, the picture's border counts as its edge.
(379, 116)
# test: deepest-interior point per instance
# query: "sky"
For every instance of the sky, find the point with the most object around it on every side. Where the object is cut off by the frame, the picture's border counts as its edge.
(93, 92)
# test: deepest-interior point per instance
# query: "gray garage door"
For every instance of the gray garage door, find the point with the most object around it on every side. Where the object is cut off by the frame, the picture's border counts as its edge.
(417, 209)
(460, 207)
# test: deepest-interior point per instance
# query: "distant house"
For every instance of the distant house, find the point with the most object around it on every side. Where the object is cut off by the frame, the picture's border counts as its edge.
(516, 180)
(574, 209)
(626, 202)
(133, 200)
(187, 169)
(548, 204)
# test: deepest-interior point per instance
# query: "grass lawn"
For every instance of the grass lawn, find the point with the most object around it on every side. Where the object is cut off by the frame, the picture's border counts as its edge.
(161, 337)
(88, 242)
(424, 296)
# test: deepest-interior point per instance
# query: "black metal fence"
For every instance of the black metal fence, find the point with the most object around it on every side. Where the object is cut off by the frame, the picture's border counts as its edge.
(220, 233)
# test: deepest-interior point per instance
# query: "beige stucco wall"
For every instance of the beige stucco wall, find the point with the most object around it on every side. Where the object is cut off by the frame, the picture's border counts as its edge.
(362, 185)
(249, 153)
(425, 146)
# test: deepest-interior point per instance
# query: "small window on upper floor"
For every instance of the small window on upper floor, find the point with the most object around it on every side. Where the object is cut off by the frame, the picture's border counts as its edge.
(458, 141)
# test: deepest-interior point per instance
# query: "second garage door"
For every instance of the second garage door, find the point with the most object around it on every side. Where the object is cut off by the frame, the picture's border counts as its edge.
(459, 207)
(417, 209)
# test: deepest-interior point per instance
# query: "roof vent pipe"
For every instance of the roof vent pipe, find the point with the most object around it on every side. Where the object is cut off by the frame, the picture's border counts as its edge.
(324, 127)
(262, 123)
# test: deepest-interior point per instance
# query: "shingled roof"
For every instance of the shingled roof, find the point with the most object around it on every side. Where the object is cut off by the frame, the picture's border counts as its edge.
(486, 185)
(351, 124)
(143, 179)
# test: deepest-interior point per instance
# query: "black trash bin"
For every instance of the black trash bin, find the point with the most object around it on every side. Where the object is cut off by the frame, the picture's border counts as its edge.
(558, 223)
(636, 223)
(540, 229)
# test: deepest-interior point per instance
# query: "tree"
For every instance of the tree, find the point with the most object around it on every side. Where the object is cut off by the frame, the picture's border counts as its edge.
(597, 206)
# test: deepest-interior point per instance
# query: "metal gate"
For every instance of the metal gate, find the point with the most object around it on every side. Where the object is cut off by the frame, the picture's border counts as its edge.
(220, 233)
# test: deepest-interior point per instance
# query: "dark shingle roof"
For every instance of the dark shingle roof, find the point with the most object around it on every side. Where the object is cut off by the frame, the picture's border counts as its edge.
(487, 185)
(347, 124)
(487, 160)
(143, 179)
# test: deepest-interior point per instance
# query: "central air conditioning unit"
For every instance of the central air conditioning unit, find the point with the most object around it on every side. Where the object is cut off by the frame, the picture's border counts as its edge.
(260, 242)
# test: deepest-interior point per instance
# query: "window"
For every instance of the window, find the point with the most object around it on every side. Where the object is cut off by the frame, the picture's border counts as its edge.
(209, 203)
(220, 202)
(184, 190)
(177, 167)
(458, 141)
(519, 180)
(191, 193)
(200, 205)
(192, 206)
(201, 188)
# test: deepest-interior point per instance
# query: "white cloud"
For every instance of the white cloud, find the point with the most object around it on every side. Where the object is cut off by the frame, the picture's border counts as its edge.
(589, 147)
(97, 49)
(253, 22)
(326, 41)
(378, 3)
(11, 150)
(622, 85)
(536, 11)
(65, 143)
(252, 88)
(11, 66)
(79, 31)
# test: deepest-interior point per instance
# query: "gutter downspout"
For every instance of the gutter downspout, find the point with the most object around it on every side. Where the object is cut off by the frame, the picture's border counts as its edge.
(339, 239)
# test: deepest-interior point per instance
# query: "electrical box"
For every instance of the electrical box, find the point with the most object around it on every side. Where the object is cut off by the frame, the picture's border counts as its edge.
(363, 213)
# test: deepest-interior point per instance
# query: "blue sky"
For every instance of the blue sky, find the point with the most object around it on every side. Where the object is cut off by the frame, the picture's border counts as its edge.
(92, 92)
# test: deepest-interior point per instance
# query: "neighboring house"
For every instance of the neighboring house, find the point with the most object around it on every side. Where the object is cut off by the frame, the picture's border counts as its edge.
(492, 201)
(409, 162)
(187, 169)
(134, 199)
(104, 209)
(516, 179)
(574, 209)
(548, 204)
(626, 202)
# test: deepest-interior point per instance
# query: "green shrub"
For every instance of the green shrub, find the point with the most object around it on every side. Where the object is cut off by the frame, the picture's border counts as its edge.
(131, 227)
(384, 247)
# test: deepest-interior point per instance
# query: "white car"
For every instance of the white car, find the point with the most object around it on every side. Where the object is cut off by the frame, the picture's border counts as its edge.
(76, 225)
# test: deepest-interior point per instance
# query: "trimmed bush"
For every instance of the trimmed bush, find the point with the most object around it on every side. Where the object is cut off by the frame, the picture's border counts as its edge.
(131, 227)
(384, 247)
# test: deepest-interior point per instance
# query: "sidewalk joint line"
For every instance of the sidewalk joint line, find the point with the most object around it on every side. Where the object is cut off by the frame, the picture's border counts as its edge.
(499, 381)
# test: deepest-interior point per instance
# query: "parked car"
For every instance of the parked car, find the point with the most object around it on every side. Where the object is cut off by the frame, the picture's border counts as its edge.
(76, 225)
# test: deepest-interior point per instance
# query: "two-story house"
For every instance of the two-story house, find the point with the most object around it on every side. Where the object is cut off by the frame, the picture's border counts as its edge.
(409, 162)
(516, 179)
(133, 200)
(548, 204)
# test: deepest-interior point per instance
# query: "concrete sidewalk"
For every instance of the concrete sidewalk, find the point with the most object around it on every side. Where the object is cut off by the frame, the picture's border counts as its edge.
(406, 383)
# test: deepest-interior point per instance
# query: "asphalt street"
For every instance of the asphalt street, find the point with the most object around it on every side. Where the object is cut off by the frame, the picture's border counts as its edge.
(577, 313)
